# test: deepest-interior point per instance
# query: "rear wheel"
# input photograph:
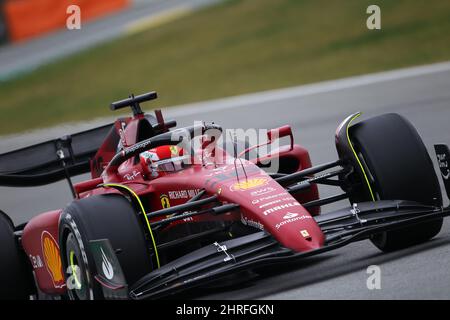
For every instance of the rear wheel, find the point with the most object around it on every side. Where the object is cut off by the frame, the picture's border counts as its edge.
(15, 276)
(398, 166)
(109, 217)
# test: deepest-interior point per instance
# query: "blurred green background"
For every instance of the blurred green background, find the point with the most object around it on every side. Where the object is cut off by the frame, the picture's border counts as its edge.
(228, 49)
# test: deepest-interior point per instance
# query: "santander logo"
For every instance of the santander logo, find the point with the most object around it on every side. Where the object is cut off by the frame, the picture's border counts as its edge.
(290, 215)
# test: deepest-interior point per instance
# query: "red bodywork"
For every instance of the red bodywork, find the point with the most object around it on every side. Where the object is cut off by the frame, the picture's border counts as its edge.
(264, 203)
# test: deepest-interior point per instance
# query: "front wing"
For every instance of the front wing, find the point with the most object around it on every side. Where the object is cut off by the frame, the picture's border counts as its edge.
(218, 260)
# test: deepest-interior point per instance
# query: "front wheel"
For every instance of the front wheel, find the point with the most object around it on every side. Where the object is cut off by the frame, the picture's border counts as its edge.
(398, 167)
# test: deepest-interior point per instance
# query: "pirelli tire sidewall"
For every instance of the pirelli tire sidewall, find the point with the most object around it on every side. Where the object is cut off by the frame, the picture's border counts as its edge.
(111, 217)
(71, 224)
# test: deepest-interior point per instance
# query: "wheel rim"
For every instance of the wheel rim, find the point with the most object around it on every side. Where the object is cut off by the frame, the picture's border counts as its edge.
(76, 270)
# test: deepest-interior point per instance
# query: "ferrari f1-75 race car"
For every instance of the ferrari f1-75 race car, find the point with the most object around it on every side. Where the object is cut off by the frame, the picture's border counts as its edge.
(170, 209)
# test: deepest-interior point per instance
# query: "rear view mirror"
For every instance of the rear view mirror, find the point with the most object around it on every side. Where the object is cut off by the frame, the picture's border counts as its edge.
(278, 133)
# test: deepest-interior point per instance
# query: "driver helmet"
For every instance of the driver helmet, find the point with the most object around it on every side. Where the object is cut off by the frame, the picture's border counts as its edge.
(161, 160)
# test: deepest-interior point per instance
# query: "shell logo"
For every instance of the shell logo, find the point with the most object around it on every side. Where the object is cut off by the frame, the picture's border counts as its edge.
(165, 202)
(52, 259)
(249, 184)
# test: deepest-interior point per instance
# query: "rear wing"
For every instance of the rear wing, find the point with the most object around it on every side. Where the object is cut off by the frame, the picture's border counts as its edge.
(53, 160)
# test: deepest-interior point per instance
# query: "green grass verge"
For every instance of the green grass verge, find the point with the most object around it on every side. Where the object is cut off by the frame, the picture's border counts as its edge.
(229, 49)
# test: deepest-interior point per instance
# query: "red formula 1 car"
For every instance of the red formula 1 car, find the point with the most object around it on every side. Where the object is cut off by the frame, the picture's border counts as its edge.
(160, 215)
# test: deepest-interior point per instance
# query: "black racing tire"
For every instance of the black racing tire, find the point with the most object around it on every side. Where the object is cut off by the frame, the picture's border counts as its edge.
(15, 273)
(111, 217)
(398, 167)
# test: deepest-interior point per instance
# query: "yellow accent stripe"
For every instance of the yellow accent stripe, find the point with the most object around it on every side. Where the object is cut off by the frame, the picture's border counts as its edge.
(356, 156)
(143, 212)
(74, 272)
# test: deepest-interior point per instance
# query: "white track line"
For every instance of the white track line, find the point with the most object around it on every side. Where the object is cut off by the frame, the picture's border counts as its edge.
(306, 90)
(18, 140)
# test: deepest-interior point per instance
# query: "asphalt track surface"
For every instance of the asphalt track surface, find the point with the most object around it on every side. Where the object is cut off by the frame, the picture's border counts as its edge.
(421, 94)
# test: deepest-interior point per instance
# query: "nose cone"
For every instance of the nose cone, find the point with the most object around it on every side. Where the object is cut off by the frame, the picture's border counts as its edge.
(266, 205)
(286, 219)
(297, 230)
